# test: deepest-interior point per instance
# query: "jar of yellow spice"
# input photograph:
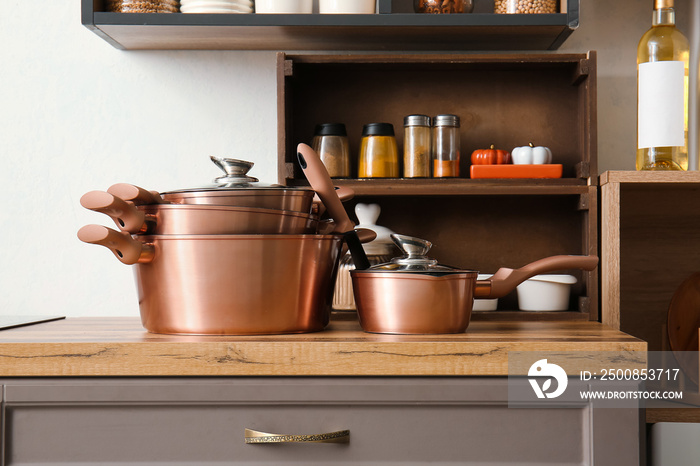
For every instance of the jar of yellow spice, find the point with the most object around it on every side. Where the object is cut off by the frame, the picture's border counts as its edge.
(378, 152)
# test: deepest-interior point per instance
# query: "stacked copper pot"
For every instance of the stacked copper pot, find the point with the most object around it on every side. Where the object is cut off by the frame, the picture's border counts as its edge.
(234, 258)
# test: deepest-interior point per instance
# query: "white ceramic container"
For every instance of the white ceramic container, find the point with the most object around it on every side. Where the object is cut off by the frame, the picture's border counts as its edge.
(353, 7)
(284, 6)
(545, 293)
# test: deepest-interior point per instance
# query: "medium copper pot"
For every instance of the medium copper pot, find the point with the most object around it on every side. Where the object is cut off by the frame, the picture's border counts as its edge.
(228, 284)
(416, 295)
(234, 188)
(186, 219)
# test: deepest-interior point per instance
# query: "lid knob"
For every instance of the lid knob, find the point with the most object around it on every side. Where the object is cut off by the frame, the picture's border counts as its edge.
(413, 248)
(236, 171)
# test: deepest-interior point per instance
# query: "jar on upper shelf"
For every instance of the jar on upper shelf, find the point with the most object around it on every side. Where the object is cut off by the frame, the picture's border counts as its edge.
(378, 152)
(525, 6)
(331, 144)
(143, 6)
(446, 146)
(443, 6)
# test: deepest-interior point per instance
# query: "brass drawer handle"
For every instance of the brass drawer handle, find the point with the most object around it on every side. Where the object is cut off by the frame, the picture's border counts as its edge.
(253, 436)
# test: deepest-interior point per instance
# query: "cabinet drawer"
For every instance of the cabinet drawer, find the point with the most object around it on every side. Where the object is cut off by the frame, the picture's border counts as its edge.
(395, 421)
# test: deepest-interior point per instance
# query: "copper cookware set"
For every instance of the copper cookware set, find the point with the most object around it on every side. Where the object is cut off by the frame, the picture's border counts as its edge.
(235, 257)
(242, 258)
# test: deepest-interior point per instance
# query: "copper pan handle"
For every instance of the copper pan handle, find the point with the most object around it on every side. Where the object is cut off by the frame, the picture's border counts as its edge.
(321, 182)
(254, 436)
(128, 250)
(505, 280)
(138, 196)
(345, 193)
(125, 215)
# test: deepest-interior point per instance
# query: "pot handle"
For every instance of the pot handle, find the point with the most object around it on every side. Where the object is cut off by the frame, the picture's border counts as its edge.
(125, 215)
(138, 196)
(505, 280)
(321, 182)
(128, 250)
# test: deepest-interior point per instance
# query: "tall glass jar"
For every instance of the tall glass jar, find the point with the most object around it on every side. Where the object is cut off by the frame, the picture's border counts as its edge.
(378, 152)
(331, 144)
(446, 146)
(416, 146)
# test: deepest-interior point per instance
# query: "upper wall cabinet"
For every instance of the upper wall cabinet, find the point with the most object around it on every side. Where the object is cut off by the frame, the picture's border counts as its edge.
(394, 27)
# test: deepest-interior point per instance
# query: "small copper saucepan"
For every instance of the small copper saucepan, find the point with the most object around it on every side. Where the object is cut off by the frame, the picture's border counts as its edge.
(416, 295)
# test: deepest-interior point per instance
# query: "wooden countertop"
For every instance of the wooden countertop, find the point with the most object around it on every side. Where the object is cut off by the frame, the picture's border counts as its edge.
(121, 347)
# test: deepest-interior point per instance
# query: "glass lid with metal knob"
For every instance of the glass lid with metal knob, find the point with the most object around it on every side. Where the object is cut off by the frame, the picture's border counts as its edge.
(414, 259)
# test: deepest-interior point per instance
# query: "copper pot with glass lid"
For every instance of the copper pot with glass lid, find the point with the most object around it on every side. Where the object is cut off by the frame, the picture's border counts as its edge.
(414, 294)
(234, 188)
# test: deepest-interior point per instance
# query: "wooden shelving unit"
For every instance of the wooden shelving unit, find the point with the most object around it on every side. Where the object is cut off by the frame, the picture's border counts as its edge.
(480, 224)
(393, 28)
(650, 236)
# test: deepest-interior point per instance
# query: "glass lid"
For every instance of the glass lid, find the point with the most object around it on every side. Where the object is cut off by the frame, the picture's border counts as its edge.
(235, 177)
(415, 258)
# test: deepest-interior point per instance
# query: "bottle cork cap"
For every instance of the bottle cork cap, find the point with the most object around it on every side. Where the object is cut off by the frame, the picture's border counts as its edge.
(658, 4)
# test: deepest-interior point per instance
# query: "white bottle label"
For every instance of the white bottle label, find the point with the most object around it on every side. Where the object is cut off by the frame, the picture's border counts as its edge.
(660, 120)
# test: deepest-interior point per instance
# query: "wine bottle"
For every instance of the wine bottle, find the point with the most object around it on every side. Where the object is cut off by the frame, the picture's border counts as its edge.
(662, 93)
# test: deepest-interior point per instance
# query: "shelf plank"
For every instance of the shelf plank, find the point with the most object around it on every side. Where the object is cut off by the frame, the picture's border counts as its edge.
(625, 176)
(459, 186)
(397, 31)
(521, 316)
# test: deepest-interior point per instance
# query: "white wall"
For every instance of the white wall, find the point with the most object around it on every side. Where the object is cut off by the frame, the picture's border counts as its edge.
(77, 115)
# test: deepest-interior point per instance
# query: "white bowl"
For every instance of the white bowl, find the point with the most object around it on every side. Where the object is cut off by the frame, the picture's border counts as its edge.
(485, 304)
(545, 293)
(353, 7)
(284, 6)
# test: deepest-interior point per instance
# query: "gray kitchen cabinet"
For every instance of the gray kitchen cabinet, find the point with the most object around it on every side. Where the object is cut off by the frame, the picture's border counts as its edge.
(392, 421)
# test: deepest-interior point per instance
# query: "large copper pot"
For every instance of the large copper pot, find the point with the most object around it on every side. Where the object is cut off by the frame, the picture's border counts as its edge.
(416, 295)
(228, 284)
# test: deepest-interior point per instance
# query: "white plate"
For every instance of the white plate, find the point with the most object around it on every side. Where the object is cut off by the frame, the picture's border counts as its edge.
(205, 10)
(216, 4)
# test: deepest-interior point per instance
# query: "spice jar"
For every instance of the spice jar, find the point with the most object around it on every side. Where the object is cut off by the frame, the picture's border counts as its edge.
(443, 6)
(331, 144)
(379, 250)
(446, 146)
(378, 152)
(416, 146)
(143, 6)
(525, 6)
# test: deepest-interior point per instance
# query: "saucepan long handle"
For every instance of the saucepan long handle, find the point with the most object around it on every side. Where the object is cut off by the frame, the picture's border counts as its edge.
(321, 182)
(123, 246)
(505, 280)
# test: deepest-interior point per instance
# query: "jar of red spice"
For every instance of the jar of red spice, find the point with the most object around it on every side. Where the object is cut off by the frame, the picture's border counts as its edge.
(446, 146)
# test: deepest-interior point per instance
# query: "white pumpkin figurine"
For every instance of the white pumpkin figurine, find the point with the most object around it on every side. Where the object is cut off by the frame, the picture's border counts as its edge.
(531, 155)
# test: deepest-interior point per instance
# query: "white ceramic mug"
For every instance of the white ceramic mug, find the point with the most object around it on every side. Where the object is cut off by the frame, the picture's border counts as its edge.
(346, 6)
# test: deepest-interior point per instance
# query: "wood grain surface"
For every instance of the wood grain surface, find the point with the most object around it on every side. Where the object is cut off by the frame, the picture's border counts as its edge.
(121, 347)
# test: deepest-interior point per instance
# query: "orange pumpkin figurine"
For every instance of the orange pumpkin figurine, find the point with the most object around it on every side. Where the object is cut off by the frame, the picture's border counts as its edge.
(490, 156)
